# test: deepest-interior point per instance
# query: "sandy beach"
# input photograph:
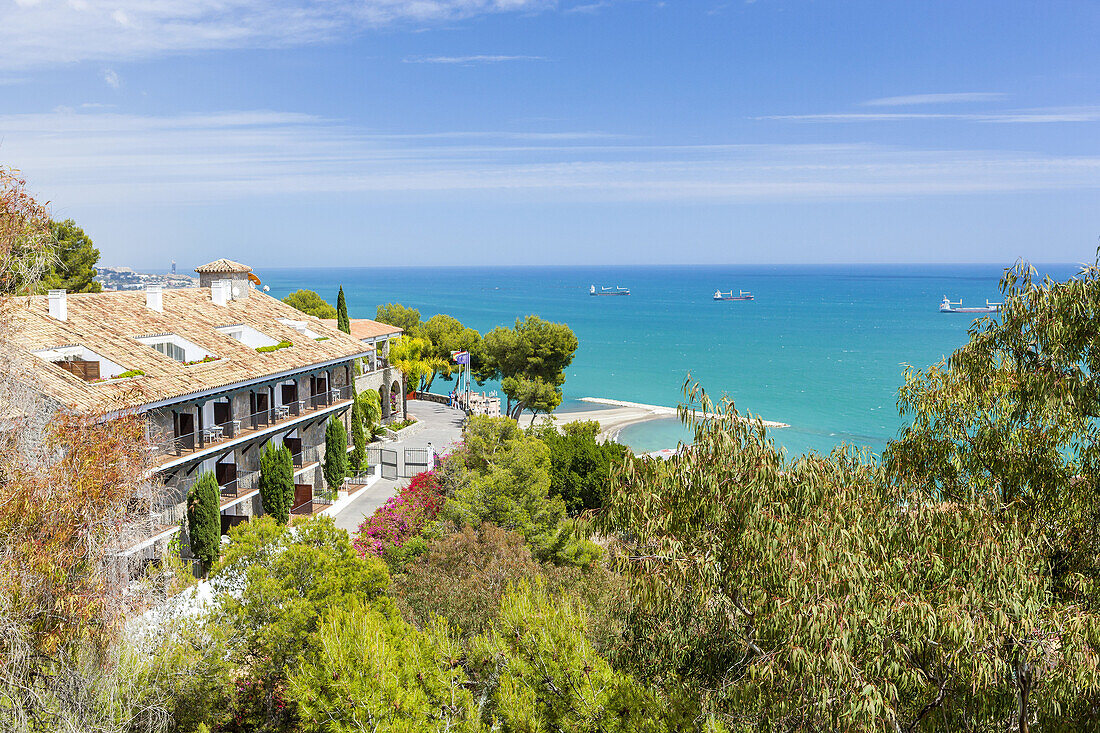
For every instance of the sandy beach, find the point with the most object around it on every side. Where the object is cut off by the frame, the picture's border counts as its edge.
(614, 415)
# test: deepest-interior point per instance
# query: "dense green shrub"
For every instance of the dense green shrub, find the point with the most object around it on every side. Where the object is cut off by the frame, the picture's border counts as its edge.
(370, 407)
(187, 672)
(274, 585)
(204, 519)
(336, 453)
(370, 671)
(274, 347)
(503, 477)
(463, 576)
(580, 465)
(538, 672)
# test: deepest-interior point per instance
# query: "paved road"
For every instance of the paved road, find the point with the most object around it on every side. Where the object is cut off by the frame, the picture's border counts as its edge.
(438, 425)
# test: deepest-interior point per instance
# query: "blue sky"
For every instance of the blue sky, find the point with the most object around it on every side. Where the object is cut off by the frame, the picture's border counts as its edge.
(396, 132)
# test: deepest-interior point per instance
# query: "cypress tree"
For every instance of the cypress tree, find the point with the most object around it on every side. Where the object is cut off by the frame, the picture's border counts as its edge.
(276, 476)
(286, 460)
(336, 454)
(342, 321)
(359, 439)
(204, 519)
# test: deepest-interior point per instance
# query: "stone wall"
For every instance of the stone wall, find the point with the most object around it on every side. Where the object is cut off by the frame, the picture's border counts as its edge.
(383, 379)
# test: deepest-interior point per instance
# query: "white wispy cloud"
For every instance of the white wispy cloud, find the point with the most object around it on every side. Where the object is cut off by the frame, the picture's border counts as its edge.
(949, 98)
(1024, 116)
(589, 7)
(54, 32)
(473, 59)
(111, 77)
(121, 160)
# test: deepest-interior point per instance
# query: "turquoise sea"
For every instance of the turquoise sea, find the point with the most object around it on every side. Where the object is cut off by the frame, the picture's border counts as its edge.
(822, 348)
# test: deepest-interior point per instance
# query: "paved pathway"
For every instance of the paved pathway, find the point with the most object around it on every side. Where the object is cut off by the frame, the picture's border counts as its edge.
(437, 424)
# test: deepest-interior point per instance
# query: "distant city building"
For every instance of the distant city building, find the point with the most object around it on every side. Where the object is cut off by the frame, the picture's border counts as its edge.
(126, 278)
(173, 267)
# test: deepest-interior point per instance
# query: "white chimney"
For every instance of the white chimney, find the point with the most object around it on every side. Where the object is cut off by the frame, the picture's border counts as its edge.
(154, 298)
(219, 291)
(59, 306)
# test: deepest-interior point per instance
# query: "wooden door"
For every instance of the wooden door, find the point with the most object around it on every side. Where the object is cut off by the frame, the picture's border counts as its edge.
(226, 474)
(290, 397)
(294, 445)
(185, 430)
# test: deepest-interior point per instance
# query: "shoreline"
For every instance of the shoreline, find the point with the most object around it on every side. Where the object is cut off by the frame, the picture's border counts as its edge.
(615, 415)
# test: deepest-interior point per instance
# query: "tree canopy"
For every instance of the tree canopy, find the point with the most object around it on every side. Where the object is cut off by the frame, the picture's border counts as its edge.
(530, 361)
(413, 357)
(1011, 417)
(446, 334)
(310, 303)
(395, 314)
(274, 586)
(505, 480)
(837, 598)
(580, 465)
(72, 266)
(25, 236)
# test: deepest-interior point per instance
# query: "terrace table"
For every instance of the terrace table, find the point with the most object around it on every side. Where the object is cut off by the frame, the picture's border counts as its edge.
(281, 412)
(212, 433)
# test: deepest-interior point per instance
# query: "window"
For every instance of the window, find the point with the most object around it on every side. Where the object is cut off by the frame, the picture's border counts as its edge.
(247, 335)
(302, 328)
(171, 350)
(177, 348)
(82, 362)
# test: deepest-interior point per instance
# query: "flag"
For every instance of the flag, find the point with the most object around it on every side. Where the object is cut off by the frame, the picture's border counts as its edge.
(461, 357)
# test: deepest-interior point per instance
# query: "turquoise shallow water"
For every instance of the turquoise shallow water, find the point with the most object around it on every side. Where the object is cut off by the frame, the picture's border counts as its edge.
(821, 348)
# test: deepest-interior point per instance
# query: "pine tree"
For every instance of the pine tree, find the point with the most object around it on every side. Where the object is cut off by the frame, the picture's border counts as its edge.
(204, 519)
(342, 321)
(359, 439)
(336, 454)
(277, 482)
(75, 257)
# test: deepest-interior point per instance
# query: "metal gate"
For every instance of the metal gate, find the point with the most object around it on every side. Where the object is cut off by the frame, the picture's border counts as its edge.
(388, 463)
(416, 461)
(374, 456)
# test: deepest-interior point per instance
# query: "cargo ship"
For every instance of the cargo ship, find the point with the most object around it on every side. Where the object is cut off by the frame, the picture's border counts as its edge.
(609, 291)
(743, 295)
(957, 307)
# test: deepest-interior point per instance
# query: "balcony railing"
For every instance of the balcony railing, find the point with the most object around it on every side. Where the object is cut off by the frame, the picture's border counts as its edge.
(241, 485)
(218, 433)
(306, 456)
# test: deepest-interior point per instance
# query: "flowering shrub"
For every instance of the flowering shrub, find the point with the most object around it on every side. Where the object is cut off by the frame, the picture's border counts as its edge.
(401, 519)
(251, 708)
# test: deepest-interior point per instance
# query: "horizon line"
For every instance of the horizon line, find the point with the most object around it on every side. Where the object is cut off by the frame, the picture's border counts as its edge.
(612, 265)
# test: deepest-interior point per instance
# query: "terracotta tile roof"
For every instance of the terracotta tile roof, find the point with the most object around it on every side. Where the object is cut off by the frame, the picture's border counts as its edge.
(222, 265)
(107, 323)
(364, 328)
